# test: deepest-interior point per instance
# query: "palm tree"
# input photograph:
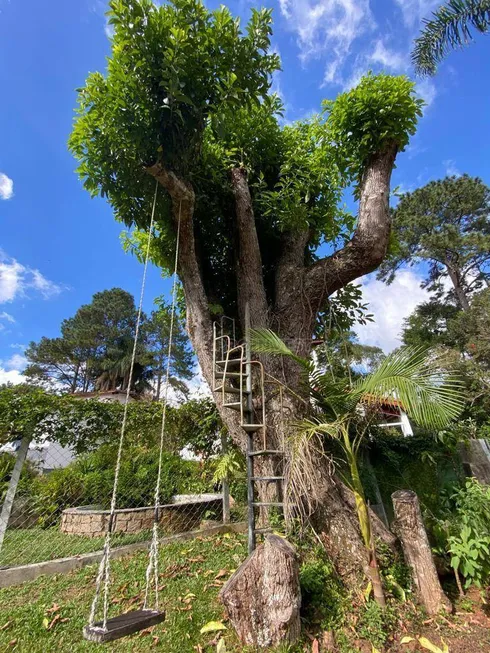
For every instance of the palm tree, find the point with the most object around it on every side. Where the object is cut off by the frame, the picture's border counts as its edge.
(449, 28)
(345, 412)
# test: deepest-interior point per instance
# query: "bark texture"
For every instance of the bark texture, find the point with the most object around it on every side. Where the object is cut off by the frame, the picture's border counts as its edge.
(475, 456)
(290, 307)
(263, 596)
(416, 548)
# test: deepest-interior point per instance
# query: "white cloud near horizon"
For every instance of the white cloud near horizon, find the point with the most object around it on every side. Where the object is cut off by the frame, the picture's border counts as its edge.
(451, 169)
(390, 305)
(6, 187)
(17, 279)
(11, 376)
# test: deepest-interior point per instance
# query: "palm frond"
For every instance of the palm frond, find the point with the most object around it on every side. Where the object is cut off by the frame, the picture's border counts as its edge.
(449, 28)
(413, 377)
(265, 341)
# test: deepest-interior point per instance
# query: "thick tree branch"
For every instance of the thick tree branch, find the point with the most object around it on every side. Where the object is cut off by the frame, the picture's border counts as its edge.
(368, 246)
(250, 280)
(198, 318)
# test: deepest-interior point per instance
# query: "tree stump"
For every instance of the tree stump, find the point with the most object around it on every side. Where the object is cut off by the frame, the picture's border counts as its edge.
(413, 536)
(263, 596)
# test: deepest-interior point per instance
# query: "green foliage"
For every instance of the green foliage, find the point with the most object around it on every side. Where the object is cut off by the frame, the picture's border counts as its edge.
(173, 66)
(380, 111)
(229, 466)
(26, 411)
(324, 600)
(449, 28)
(7, 462)
(444, 223)
(377, 624)
(96, 345)
(464, 532)
(89, 481)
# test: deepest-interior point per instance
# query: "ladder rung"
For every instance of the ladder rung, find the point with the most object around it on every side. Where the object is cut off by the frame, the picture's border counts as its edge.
(249, 428)
(236, 405)
(230, 361)
(234, 375)
(263, 530)
(231, 390)
(266, 452)
(267, 503)
(267, 478)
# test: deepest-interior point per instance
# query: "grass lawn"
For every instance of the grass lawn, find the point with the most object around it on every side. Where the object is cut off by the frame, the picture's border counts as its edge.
(24, 546)
(48, 614)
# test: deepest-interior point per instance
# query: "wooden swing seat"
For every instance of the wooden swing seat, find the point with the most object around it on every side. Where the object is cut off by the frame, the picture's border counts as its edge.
(123, 625)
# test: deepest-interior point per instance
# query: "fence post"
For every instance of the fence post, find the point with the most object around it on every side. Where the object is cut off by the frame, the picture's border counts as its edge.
(225, 485)
(12, 488)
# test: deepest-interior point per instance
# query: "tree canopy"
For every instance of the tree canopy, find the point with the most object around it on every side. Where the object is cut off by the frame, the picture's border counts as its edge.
(96, 344)
(187, 89)
(446, 224)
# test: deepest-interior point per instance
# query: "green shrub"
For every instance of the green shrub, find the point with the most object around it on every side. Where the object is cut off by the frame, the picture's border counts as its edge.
(324, 599)
(90, 479)
(376, 624)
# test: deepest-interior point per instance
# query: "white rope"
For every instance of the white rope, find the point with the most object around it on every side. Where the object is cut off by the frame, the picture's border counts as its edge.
(152, 568)
(104, 567)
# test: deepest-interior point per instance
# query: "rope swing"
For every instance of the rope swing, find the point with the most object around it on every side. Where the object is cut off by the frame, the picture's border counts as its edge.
(135, 620)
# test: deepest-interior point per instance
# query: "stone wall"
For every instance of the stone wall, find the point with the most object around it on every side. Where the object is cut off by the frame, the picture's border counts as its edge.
(185, 513)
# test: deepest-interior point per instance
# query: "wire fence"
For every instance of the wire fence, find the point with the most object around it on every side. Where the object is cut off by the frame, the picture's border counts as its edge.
(61, 503)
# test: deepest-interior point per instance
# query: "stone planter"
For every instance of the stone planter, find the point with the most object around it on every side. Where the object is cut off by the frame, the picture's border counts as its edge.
(184, 513)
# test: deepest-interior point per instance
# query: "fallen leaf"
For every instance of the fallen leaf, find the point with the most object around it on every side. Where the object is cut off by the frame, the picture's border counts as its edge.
(53, 623)
(213, 626)
(221, 573)
(406, 640)
(221, 647)
(5, 626)
(315, 647)
(45, 622)
(54, 608)
(12, 642)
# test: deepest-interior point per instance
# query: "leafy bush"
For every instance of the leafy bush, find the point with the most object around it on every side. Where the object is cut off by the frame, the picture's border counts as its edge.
(463, 535)
(324, 599)
(89, 481)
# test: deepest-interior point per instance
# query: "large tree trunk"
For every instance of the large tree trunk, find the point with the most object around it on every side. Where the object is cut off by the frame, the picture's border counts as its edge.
(418, 555)
(263, 596)
(300, 292)
(455, 276)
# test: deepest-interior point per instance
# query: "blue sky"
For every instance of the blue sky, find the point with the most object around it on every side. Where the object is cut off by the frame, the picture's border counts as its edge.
(58, 246)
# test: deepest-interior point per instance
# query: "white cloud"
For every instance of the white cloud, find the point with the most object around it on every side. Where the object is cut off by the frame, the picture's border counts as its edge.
(426, 89)
(390, 305)
(7, 317)
(17, 279)
(109, 30)
(15, 362)
(387, 58)
(451, 169)
(6, 187)
(327, 27)
(414, 10)
(12, 376)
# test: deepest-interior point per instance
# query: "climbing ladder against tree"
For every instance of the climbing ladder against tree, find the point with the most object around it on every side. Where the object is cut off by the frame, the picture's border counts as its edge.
(233, 378)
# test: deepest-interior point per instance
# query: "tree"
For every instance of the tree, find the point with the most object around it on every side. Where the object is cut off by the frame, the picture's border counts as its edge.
(463, 338)
(449, 29)
(447, 224)
(184, 105)
(181, 357)
(346, 415)
(96, 345)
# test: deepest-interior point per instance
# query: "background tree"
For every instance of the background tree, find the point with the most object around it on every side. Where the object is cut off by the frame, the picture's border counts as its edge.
(449, 28)
(446, 224)
(95, 349)
(185, 102)
(464, 339)
(157, 330)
